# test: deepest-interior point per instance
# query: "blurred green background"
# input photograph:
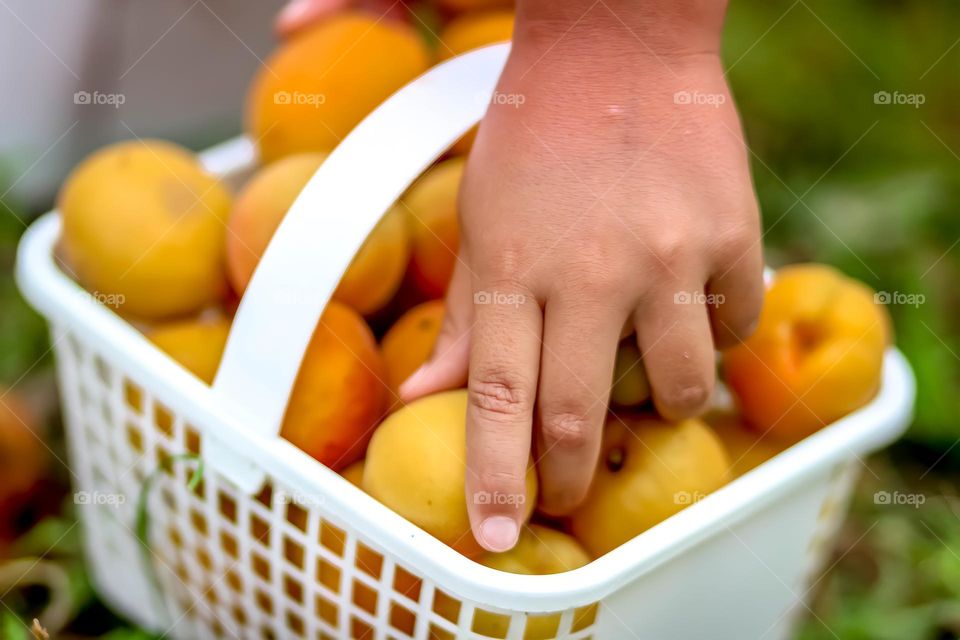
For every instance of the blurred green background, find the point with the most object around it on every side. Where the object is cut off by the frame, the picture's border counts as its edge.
(872, 188)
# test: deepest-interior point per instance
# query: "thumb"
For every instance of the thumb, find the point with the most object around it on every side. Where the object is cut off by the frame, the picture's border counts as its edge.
(447, 366)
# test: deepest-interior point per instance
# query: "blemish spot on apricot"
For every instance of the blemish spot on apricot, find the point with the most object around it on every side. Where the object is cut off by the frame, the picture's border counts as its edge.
(616, 458)
(807, 337)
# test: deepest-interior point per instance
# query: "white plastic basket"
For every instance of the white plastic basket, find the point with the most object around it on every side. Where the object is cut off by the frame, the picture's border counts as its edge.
(271, 544)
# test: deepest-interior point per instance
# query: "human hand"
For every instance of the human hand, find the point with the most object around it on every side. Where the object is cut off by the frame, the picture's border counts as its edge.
(608, 187)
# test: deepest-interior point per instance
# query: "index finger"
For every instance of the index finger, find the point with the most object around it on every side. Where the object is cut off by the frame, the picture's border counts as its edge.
(504, 361)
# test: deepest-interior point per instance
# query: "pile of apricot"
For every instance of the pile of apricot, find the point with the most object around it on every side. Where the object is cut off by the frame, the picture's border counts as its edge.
(172, 248)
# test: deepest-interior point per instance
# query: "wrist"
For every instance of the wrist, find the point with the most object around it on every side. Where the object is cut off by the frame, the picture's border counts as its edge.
(652, 28)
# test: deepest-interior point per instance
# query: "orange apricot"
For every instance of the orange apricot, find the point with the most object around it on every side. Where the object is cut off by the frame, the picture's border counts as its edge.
(320, 83)
(431, 208)
(746, 448)
(474, 30)
(376, 270)
(473, 5)
(409, 342)
(23, 456)
(143, 229)
(339, 396)
(816, 355)
(197, 344)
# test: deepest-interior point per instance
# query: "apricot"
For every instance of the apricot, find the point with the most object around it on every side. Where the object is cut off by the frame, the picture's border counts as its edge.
(409, 342)
(746, 448)
(630, 385)
(143, 229)
(473, 5)
(648, 470)
(23, 456)
(415, 466)
(354, 473)
(474, 30)
(338, 396)
(540, 550)
(375, 272)
(196, 344)
(431, 208)
(258, 210)
(319, 84)
(817, 353)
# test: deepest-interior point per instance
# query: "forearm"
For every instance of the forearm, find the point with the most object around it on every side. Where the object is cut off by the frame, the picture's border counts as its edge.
(654, 27)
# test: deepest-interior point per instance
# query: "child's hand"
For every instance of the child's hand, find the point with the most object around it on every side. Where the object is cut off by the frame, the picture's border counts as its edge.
(608, 189)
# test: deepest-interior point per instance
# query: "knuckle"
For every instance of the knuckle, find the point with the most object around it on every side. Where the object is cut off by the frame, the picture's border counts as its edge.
(498, 395)
(734, 247)
(566, 430)
(685, 399)
(503, 264)
(668, 250)
(737, 240)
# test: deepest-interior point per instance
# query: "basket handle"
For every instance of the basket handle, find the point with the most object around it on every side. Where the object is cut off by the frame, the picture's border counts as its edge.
(358, 182)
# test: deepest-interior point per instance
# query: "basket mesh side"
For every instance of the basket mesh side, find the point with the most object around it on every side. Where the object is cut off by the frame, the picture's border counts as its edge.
(227, 565)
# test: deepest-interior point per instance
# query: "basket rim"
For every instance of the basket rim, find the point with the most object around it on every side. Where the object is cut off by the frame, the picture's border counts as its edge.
(64, 303)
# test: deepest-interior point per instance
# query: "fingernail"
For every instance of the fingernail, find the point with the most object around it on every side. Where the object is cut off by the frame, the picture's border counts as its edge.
(410, 384)
(499, 533)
